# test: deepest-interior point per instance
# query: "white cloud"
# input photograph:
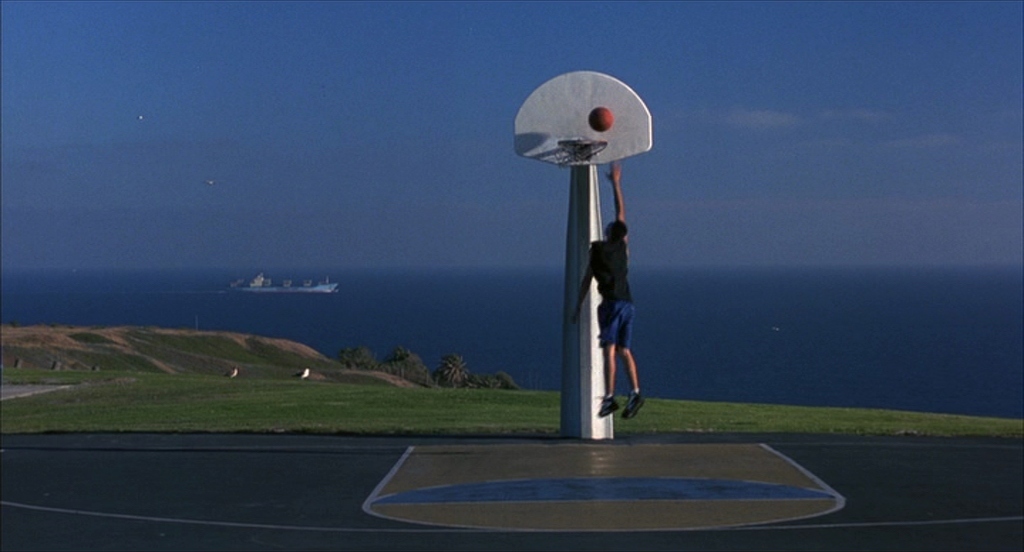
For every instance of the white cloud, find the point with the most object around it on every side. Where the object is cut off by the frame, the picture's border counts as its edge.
(859, 114)
(889, 231)
(761, 119)
(765, 119)
(936, 140)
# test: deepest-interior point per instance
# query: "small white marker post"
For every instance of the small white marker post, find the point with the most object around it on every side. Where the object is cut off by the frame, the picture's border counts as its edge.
(582, 362)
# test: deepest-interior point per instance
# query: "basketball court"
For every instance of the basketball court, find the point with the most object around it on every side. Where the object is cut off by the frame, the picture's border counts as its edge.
(667, 492)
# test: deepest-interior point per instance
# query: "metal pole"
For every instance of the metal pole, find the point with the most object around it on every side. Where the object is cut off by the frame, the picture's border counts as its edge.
(582, 363)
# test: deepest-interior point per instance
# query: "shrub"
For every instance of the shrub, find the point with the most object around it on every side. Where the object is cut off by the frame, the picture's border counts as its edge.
(358, 358)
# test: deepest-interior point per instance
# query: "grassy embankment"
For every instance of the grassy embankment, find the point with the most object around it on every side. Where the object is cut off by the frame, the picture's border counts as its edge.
(150, 380)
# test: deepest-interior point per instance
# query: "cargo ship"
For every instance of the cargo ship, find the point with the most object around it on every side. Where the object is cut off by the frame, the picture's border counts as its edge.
(262, 284)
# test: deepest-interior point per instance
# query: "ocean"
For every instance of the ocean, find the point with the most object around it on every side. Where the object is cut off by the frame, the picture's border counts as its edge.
(944, 340)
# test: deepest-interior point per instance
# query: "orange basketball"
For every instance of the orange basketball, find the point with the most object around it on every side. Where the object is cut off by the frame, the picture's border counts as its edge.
(601, 119)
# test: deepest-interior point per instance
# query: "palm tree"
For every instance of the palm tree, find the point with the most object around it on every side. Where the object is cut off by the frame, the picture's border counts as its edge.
(452, 372)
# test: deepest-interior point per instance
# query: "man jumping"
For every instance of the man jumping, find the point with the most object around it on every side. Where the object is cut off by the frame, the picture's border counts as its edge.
(609, 265)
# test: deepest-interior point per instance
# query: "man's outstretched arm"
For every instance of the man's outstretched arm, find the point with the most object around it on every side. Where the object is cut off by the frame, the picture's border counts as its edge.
(615, 175)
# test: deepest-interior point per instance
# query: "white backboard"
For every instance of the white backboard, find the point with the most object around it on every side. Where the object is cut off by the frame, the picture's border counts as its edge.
(559, 110)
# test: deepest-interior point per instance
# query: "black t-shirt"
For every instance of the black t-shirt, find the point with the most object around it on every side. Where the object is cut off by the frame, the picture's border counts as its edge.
(610, 263)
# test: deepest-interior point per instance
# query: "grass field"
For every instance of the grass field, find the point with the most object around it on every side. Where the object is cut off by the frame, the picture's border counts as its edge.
(145, 401)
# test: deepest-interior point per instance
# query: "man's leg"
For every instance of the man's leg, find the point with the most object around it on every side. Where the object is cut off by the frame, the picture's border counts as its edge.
(608, 404)
(609, 370)
(635, 400)
(627, 359)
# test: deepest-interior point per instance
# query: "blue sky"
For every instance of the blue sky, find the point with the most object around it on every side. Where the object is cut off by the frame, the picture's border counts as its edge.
(379, 134)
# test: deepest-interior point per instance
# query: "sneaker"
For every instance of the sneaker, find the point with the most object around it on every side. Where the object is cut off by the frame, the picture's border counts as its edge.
(634, 404)
(608, 405)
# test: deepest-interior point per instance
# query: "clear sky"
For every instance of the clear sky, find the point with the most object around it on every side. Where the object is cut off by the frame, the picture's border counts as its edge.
(380, 134)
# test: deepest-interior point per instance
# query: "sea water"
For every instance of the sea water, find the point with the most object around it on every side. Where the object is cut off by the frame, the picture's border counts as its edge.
(934, 340)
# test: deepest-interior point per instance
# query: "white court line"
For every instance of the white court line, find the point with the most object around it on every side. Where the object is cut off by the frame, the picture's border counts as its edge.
(368, 503)
(886, 524)
(183, 521)
(840, 499)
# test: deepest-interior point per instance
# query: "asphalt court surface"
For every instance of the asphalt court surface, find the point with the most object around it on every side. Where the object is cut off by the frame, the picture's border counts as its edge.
(664, 492)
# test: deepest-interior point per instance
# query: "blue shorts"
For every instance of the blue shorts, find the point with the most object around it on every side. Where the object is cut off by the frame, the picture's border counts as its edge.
(615, 319)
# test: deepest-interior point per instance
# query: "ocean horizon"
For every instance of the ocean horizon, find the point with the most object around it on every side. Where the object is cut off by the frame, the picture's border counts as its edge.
(947, 340)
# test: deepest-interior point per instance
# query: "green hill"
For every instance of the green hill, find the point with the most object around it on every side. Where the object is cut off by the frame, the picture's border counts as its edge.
(173, 351)
(132, 379)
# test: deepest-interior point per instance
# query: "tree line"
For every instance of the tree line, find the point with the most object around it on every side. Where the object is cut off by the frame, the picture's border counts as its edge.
(452, 370)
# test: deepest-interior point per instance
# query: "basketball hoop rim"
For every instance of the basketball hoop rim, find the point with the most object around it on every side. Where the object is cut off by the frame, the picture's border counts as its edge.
(580, 151)
(583, 142)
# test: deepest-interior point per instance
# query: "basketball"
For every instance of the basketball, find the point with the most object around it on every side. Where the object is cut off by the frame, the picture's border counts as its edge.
(601, 119)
